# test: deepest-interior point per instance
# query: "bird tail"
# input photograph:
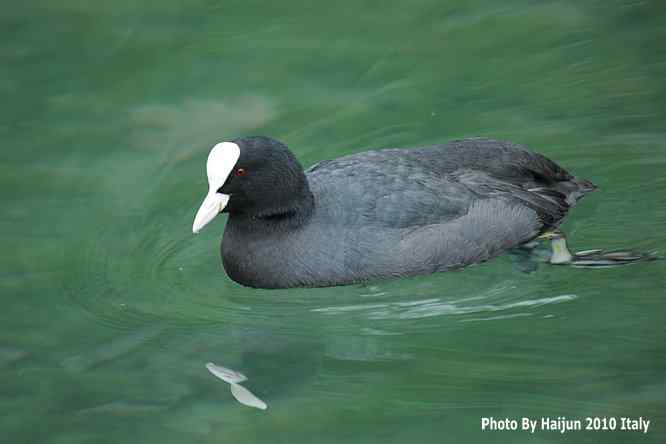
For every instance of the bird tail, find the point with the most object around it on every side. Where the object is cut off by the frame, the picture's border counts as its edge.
(575, 189)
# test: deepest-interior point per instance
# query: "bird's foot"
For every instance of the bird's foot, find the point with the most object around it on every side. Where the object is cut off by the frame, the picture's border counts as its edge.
(524, 259)
(558, 244)
(616, 258)
(591, 258)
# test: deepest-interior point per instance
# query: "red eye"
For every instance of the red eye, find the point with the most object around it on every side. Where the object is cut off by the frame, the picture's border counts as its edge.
(241, 172)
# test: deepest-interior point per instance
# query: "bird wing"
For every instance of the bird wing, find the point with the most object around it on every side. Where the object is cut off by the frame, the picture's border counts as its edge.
(436, 184)
(386, 191)
(489, 227)
(424, 219)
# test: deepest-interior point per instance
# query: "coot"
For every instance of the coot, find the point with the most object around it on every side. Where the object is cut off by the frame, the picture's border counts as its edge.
(378, 214)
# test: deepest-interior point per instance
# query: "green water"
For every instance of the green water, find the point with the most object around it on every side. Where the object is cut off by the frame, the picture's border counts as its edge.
(111, 307)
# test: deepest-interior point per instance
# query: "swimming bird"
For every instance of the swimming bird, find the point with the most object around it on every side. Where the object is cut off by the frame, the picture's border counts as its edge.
(379, 214)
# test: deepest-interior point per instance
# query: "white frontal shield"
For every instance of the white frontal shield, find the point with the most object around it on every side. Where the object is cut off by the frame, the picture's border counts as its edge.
(221, 162)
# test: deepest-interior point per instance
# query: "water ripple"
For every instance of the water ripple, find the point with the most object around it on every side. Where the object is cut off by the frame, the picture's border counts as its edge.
(426, 308)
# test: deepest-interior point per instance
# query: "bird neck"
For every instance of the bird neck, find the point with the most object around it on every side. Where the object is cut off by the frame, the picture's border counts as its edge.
(298, 209)
(287, 213)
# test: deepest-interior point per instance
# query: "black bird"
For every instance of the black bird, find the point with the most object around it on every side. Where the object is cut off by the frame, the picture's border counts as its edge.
(378, 214)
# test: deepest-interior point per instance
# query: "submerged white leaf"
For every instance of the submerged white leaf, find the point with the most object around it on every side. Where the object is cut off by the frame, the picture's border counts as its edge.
(244, 396)
(226, 374)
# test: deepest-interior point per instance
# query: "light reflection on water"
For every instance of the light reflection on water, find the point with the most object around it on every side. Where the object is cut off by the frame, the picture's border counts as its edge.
(436, 307)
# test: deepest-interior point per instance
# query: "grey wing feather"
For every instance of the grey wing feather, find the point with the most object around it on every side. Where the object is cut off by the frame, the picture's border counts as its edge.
(366, 193)
(489, 227)
(550, 205)
(400, 188)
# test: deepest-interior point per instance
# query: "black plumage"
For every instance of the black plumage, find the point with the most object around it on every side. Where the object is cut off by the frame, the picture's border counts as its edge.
(386, 213)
